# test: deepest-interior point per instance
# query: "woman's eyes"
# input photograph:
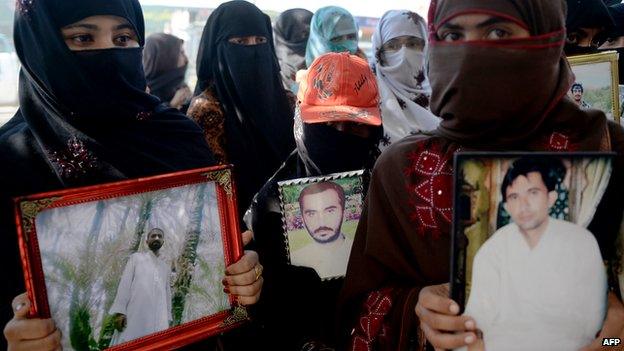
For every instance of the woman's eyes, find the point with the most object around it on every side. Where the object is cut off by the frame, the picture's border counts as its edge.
(391, 45)
(497, 34)
(343, 38)
(89, 40)
(411, 45)
(451, 36)
(488, 34)
(123, 40)
(572, 38)
(249, 41)
(82, 39)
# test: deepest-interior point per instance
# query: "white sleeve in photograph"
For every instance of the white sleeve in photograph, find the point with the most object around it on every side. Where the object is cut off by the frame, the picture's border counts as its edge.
(484, 299)
(592, 286)
(120, 305)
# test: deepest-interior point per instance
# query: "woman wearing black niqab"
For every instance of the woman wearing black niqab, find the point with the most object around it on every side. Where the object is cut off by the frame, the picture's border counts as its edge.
(238, 73)
(165, 66)
(84, 118)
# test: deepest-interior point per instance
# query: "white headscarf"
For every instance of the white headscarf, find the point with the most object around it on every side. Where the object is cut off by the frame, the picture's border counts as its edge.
(398, 79)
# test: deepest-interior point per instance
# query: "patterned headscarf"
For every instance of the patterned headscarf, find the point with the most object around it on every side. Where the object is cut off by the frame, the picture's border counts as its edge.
(483, 103)
(403, 87)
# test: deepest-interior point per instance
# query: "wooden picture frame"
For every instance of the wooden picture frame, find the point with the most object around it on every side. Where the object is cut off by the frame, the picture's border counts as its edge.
(335, 208)
(596, 72)
(85, 252)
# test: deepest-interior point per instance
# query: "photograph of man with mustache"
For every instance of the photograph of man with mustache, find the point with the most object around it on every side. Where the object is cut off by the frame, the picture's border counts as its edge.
(322, 209)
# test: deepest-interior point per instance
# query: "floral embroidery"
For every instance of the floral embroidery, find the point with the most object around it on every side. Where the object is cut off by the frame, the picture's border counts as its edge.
(75, 161)
(206, 111)
(371, 324)
(378, 57)
(144, 115)
(402, 103)
(385, 140)
(559, 142)
(412, 16)
(422, 100)
(429, 185)
(420, 78)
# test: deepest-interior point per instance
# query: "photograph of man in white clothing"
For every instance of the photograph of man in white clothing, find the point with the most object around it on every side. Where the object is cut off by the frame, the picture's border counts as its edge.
(130, 269)
(322, 208)
(538, 283)
(142, 305)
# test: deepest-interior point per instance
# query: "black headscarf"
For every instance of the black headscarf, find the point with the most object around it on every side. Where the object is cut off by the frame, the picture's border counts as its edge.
(324, 150)
(160, 60)
(587, 14)
(84, 118)
(617, 13)
(258, 117)
(292, 29)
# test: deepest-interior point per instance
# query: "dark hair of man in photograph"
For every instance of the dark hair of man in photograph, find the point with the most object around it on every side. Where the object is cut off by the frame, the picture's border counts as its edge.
(524, 166)
(155, 230)
(319, 188)
(577, 86)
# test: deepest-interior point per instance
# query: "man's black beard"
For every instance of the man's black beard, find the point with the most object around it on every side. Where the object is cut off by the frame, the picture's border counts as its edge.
(331, 238)
(155, 246)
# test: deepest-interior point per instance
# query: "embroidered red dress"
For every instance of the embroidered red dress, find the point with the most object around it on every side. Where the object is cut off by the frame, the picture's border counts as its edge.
(403, 242)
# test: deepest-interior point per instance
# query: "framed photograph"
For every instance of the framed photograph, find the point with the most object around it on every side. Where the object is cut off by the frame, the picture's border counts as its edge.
(596, 84)
(521, 252)
(133, 265)
(320, 216)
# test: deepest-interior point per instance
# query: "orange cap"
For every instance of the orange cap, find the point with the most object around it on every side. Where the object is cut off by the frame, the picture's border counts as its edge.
(339, 87)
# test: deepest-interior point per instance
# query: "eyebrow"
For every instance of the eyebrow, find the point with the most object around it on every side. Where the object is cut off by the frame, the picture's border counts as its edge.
(124, 26)
(82, 25)
(95, 27)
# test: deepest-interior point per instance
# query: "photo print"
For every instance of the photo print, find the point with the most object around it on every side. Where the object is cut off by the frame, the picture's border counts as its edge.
(522, 251)
(128, 265)
(320, 217)
(597, 83)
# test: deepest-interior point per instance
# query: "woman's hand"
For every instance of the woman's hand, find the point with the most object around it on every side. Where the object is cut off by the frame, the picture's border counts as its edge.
(30, 334)
(440, 322)
(181, 97)
(244, 278)
(613, 326)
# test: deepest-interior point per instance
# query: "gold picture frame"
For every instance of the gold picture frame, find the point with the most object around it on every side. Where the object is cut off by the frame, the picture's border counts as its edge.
(590, 72)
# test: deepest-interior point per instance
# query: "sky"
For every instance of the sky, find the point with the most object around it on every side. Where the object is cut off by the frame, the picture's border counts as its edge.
(356, 7)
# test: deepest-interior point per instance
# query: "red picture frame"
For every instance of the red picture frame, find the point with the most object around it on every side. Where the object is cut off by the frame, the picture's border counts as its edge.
(28, 208)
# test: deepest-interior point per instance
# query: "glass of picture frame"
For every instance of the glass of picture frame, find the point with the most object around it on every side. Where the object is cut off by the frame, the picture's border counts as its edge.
(136, 264)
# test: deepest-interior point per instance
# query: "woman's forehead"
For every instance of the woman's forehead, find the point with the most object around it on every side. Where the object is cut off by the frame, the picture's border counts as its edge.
(100, 21)
(480, 20)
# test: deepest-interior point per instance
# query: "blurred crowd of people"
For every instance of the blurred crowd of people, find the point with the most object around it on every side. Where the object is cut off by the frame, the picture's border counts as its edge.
(298, 98)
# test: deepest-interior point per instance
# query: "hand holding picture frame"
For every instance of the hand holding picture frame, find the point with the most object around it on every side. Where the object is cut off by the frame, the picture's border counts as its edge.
(133, 265)
(524, 264)
(320, 216)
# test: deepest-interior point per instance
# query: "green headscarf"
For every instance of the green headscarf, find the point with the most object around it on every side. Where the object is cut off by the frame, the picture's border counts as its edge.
(328, 23)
